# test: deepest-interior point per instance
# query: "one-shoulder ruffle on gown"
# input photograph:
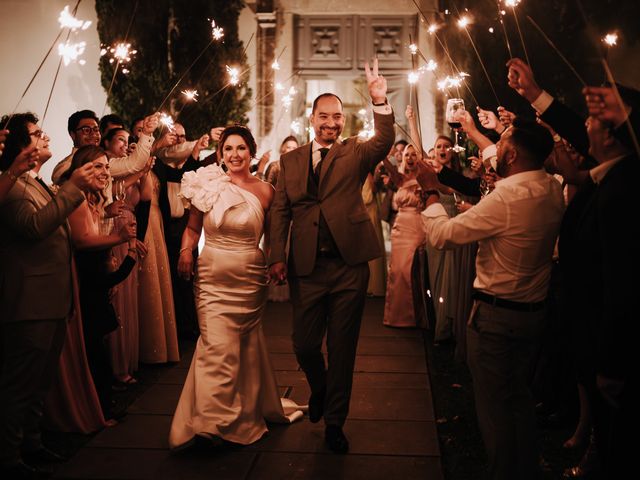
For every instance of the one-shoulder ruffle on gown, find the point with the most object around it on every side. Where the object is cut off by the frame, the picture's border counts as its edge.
(230, 391)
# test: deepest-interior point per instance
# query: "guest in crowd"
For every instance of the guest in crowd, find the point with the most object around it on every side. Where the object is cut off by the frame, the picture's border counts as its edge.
(35, 256)
(25, 161)
(516, 228)
(109, 122)
(377, 266)
(84, 130)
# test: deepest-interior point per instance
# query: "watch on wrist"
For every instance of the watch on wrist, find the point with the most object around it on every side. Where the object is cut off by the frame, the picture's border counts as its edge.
(379, 104)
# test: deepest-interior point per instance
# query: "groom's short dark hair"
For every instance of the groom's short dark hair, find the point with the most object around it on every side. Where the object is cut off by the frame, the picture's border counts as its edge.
(323, 95)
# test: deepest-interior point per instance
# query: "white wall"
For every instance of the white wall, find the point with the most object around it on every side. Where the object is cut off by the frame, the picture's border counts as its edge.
(27, 29)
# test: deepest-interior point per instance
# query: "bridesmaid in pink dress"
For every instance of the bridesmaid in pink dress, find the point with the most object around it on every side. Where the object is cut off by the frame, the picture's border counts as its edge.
(402, 308)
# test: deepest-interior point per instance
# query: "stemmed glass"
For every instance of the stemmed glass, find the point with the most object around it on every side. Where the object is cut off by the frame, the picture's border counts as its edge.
(119, 191)
(453, 105)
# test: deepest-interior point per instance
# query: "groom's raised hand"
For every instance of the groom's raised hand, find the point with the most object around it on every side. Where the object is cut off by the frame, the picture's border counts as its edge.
(377, 84)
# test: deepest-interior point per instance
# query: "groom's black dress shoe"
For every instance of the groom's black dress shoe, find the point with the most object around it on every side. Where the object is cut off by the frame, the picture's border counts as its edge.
(336, 441)
(316, 406)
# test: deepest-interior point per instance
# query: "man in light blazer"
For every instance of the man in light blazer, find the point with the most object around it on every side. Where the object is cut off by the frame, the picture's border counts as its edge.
(35, 295)
(319, 191)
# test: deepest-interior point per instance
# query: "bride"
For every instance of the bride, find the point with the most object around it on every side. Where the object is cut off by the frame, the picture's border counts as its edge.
(230, 391)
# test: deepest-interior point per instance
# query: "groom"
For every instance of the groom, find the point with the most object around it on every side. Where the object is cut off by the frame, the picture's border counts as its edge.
(332, 239)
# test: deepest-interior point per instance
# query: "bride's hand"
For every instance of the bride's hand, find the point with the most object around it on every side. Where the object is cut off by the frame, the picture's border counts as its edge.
(185, 264)
(278, 273)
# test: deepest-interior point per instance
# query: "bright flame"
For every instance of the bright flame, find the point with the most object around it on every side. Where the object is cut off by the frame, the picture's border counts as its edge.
(296, 127)
(279, 87)
(67, 20)
(71, 52)
(413, 48)
(413, 77)
(512, 3)
(167, 121)
(217, 32)
(190, 95)
(234, 75)
(452, 82)
(464, 22)
(433, 28)
(275, 65)
(362, 112)
(611, 39)
(286, 102)
(490, 29)
(431, 66)
(292, 91)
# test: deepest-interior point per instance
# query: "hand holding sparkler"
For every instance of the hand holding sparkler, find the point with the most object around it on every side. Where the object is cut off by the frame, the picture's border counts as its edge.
(602, 104)
(409, 113)
(522, 81)
(505, 116)
(489, 120)
(377, 83)
(150, 123)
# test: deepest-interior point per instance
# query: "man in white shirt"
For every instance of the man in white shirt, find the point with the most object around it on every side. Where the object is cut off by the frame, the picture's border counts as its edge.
(516, 227)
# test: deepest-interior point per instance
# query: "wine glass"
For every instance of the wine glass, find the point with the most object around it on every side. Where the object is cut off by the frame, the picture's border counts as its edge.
(119, 190)
(453, 105)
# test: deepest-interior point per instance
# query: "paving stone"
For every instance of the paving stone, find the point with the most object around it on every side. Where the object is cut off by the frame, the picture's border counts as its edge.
(381, 403)
(112, 463)
(136, 431)
(160, 399)
(300, 466)
(284, 361)
(372, 437)
(390, 363)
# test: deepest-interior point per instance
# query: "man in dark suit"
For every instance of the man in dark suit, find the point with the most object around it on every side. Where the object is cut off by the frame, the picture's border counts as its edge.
(598, 256)
(332, 239)
(35, 295)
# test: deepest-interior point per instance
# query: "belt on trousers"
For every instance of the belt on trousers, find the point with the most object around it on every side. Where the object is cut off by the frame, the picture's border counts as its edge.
(508, 304)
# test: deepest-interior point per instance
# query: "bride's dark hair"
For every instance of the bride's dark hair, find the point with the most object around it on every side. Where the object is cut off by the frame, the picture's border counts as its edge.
(244, 132)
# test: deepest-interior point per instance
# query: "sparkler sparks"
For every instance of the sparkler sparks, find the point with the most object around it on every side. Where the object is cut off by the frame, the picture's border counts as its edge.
(279, 87)
(234, 75)
(431, 66)
(296, 127)
(413, 77)
(70, 52)
(611, 39)
(275, 65)
(216, 32)
(433, 28)
(512, 3)
(67, 20)
(413, 48)
(167, 121)
(120, 52)
(463, 22)
(190, 95)
(452, 82)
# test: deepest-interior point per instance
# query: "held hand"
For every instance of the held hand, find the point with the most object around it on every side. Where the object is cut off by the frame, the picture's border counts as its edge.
(215, 133)
(506, 117)
(278, 273)
(83, 176)
(150, 123)
(377, 83)
(522, 81)
(185, 264)
(409, 113)
(602, 104)
(475, 164)
(487, 119)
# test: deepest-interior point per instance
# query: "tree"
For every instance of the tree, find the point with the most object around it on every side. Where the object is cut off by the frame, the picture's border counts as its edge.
(169, 36)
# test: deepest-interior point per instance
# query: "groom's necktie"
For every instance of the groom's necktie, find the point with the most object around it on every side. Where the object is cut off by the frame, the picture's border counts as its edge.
(323, 153)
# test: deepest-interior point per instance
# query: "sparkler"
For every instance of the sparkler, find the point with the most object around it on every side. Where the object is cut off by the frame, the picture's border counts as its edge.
(70, 52)
(463, 23)
(513, 4)
(190, 95)
(275, 65)
(234, 75)
(501, 14)
(167, 121)
(68, 20)
(216, 32)
(611, 39)
(296, 127)
(413, 48)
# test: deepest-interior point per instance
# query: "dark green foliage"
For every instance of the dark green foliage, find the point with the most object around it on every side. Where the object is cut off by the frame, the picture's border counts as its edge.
(561, 21)
(163, 58)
